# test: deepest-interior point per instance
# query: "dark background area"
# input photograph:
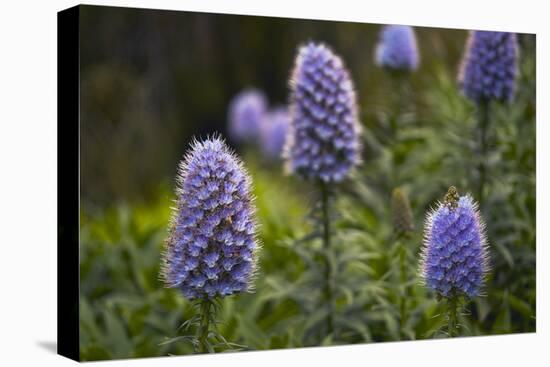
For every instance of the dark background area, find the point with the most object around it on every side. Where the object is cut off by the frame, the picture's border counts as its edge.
(152, 79)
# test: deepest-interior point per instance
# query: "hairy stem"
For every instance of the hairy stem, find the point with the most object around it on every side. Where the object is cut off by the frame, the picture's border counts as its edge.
(484, 120)
(399, 96)
(451, 315)
(403, 281)
(206, 309)
(327, 248)
(398, 106)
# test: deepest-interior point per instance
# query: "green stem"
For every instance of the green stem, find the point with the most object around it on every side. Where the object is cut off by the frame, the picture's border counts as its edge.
(206, 310)
(327, 248)
(403, 281)
(399, 82)
(395, 108)
(400, 93)
(451, 315)
(484, 120)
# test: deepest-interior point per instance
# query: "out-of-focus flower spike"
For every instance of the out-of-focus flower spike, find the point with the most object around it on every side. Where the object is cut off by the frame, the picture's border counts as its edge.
(402, 218)
(489, 66)
(323, 143)
(246, 111)
(397, 48)
(274, 130)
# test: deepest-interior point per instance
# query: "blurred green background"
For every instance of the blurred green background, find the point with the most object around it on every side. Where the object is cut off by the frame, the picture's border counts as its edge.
(151, 80)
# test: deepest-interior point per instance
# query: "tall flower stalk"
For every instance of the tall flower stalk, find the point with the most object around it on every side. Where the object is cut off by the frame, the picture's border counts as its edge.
(483, 108)
(488, 74)
(323, 142)
(403, 229)
(397, 53)
(455, 255)
(211, 249)
(329, 282)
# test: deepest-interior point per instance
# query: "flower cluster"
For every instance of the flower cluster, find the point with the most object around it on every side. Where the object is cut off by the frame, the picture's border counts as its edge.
(246, 111)
(455, 254)
(397, 49)
(489, 66)
(323, 142)
(211, 249)
(274, 129)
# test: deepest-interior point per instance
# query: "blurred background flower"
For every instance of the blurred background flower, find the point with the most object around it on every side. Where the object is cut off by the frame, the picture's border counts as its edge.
(323, 143)
(489, 66)
(402, 217)
(397, 49)
(246, 111)
(274, 130)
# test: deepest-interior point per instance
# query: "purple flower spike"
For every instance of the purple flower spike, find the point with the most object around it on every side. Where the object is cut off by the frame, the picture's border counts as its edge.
(246, 111)
(275, 127)
(489, 66)
(323, 141)
(211, 249)
(397, 49)
(455, 257)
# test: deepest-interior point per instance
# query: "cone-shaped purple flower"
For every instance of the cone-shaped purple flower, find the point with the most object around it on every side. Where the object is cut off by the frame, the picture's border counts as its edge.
(246, 111)
(489, 66)
(211, 249)
(455, 254)
(274, 126)
(397, 49)
(323, 141)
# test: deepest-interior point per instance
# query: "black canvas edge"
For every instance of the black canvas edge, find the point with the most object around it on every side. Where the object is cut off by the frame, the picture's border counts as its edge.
(68, 182)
